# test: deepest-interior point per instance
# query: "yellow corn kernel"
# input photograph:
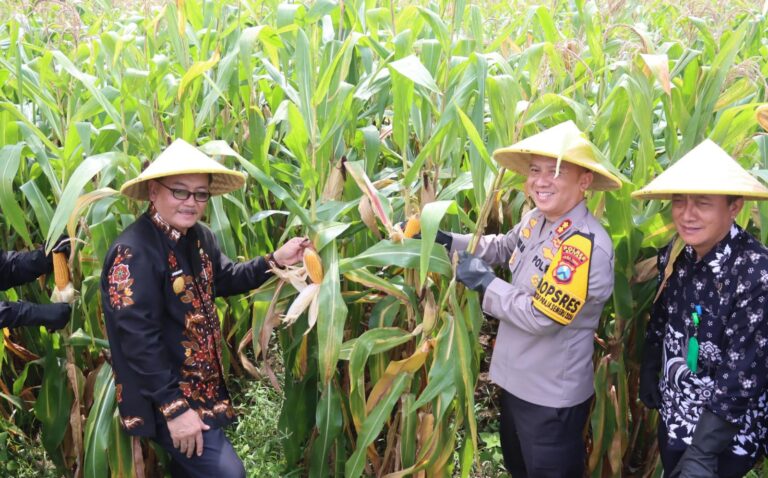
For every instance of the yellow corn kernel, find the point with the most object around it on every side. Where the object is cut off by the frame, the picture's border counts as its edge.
(60, 270)
(313, 265)
(762, 116)
(413, 227)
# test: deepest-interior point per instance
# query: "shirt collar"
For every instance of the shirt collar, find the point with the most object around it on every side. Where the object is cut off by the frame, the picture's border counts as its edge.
(170, 232)
(719, 254)
(571, 220)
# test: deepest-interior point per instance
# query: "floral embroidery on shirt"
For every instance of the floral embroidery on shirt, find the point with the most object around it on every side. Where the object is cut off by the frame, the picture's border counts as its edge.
(170, 231)
(169, 410)
(120, 281)
(131, 422)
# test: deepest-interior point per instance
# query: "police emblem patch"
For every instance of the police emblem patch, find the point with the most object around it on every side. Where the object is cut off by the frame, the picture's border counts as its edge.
(570, 258)
(561, 293)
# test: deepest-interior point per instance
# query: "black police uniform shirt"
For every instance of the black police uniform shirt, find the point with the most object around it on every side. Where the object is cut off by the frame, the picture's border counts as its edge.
(730, 286)
(158, 289)
(18, 268)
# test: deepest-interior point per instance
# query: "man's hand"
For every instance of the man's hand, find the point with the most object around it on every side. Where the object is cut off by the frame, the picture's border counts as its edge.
(445, 239)
(291, 252)
(187, 433)
(474, 272)
(62, 244)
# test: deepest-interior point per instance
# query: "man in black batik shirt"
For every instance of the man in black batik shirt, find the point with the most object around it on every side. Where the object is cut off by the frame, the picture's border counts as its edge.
(158, 285)
(705, 360)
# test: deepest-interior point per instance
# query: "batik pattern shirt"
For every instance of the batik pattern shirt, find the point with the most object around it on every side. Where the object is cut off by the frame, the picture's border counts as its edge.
(730, 286)
(158, 290)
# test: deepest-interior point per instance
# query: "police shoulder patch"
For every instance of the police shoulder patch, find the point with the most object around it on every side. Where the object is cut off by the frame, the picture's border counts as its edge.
(562, 291)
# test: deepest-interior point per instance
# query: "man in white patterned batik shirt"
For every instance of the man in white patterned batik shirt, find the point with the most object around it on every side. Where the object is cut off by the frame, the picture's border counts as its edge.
(705, 359)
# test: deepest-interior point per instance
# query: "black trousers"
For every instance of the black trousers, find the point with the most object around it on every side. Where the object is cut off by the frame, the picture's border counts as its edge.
(729, 465)
(542, 442)
(219, 459)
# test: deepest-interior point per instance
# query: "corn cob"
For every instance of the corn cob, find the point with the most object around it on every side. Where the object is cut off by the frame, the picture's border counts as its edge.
(64, 292)
(313, 265)
(762, 116)
(413, 227)
(60, 270)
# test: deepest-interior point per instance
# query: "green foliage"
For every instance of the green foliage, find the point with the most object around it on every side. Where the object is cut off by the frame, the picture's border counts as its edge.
(255, 437)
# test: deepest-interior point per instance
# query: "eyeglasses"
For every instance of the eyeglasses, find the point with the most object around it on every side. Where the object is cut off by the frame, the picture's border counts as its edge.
(183, 194)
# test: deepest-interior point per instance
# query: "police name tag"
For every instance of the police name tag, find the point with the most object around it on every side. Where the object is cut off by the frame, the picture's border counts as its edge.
(562, 290)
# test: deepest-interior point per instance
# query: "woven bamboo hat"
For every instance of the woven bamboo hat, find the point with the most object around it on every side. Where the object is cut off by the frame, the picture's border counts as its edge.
(706, 169)
(565, 142)
(183, 158)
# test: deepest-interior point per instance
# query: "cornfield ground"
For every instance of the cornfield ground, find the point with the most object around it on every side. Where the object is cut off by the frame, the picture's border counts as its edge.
(348, 117)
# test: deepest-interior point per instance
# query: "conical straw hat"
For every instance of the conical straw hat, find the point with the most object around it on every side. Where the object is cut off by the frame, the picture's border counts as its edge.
(564, 141)
(183, 158)
(706, 169)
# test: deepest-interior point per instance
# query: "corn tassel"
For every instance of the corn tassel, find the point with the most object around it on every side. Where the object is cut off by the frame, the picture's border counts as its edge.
(313, 265)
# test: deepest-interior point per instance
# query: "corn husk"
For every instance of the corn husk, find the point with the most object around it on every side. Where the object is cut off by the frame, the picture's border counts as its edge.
(334, 186)
(367, 215)
(301, 303)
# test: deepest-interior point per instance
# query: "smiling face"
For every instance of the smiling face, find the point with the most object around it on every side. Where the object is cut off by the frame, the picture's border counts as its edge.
(702, 220)
(555, 196)
(181, 214)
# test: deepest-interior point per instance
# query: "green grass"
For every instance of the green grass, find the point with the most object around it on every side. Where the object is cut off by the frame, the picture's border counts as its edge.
(255, 436)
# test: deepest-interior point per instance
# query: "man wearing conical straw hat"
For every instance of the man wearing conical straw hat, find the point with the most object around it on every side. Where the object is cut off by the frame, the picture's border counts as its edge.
(158, 285)
(561, 264)
(705, 358)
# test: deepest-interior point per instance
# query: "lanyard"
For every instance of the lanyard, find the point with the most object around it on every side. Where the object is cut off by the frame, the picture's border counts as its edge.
(692, 358)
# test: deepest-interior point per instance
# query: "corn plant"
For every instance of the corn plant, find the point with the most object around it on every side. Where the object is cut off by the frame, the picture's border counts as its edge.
(348, 118)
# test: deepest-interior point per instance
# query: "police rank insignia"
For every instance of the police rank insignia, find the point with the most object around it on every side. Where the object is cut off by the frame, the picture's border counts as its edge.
(562, 291)
(526, 232)
(564, 226)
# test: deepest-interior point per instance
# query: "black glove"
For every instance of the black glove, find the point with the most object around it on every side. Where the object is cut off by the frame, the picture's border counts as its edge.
(712, 437)
(62, 245)
(52, 316)
(445, 239)
(649, 376)
(474, 272)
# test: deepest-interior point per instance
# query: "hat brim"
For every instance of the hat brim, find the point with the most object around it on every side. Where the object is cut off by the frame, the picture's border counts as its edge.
(222, 182)
(705, 170)
(668, 194)
(519, 160)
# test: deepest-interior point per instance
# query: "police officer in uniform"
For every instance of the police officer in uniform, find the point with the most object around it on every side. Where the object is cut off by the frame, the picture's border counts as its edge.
(705, 358)
(561, 264)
